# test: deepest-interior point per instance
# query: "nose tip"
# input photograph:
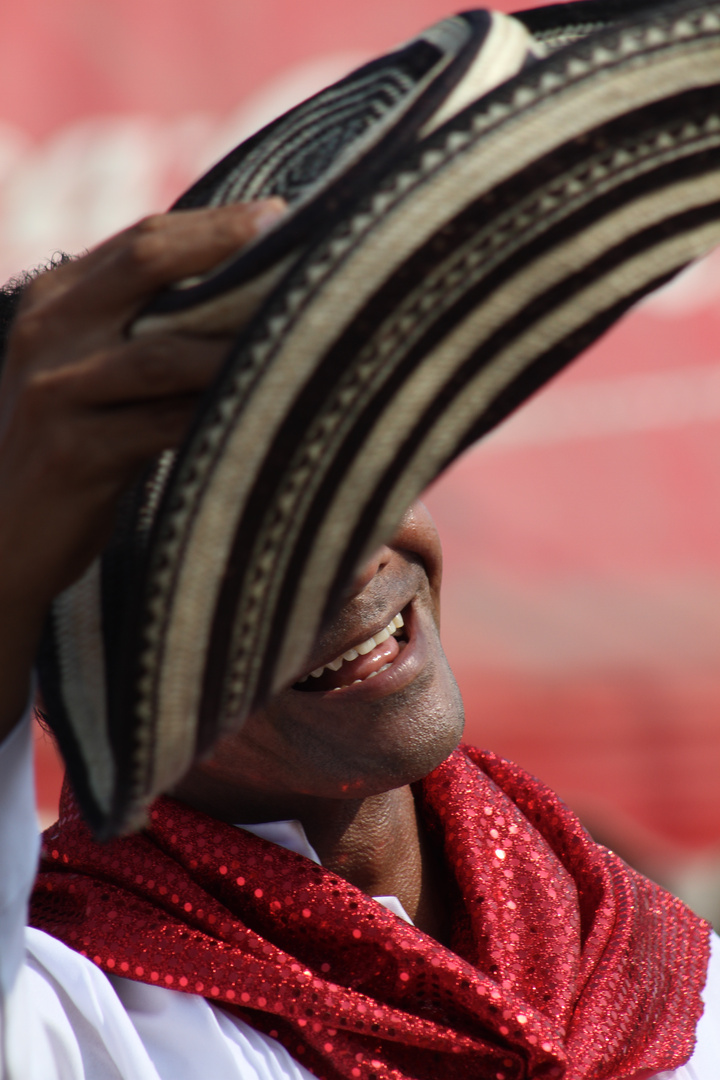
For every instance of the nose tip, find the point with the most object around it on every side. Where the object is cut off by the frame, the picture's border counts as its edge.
(368, 570)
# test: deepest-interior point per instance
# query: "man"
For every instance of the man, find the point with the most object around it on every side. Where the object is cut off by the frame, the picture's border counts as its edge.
(516, 968)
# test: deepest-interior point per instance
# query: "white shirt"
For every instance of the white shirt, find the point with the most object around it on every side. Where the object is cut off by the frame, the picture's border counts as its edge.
(62, 1018)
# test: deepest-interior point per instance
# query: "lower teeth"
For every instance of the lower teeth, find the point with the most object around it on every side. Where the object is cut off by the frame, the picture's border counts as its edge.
(370, 676)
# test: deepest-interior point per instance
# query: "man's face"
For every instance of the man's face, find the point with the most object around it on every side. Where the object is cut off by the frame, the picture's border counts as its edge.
(377, 720)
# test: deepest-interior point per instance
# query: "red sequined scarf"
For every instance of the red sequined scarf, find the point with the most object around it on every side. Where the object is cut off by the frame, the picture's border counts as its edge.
(564, 962)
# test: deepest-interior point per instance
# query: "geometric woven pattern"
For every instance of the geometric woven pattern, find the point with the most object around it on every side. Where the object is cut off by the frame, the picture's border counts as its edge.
(481, 206)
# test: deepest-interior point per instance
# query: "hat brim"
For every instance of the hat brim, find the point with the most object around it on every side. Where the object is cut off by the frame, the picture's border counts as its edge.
(444, 293)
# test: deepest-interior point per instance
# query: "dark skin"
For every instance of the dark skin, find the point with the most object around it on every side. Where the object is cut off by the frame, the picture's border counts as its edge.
(82, 409)
(341, 761)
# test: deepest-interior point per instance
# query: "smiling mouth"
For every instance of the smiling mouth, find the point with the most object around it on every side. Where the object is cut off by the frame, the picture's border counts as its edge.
(361, 662)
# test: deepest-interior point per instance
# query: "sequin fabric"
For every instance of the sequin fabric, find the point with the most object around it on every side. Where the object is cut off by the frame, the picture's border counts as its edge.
(563, 961)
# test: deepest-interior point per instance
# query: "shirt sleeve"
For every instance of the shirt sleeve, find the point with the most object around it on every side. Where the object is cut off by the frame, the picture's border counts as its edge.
(19, 848)
(68, 1027)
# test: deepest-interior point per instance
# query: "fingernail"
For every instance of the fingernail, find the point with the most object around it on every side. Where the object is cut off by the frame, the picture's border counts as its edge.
(267, 213)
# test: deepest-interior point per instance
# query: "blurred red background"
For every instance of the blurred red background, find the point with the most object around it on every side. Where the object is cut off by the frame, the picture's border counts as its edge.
(582, 540)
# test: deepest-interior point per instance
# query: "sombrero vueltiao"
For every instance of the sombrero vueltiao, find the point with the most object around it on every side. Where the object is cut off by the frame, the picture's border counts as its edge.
(467, 214)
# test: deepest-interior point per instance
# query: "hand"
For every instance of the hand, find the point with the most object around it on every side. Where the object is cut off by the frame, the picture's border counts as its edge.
(83, 408)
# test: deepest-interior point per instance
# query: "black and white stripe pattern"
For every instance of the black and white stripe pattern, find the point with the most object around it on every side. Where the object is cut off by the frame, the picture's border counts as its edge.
(323, 155)
(505, 240)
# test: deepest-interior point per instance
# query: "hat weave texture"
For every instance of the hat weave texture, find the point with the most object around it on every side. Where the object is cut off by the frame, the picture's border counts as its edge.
(467, 214)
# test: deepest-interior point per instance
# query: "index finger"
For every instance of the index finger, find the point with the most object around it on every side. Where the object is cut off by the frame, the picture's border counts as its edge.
(114, 278)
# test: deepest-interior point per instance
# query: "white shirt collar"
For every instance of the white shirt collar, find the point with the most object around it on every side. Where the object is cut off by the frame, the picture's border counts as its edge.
(291, 835)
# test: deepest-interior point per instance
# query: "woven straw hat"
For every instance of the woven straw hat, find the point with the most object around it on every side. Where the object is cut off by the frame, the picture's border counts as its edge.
(466, 215)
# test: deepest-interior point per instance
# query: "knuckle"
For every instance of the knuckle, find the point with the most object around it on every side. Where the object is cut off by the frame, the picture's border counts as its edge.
(35, 290)
(38, 318)
(45, 283)
(147, 244)
(40, 398)
(27, 329)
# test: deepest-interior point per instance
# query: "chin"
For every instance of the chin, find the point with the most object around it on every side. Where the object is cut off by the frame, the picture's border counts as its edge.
(398, 746)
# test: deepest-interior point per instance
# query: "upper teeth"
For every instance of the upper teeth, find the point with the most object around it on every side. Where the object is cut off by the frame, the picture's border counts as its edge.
(360, 650)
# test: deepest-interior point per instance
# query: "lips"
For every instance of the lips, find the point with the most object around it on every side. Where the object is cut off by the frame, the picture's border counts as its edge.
(359, 663)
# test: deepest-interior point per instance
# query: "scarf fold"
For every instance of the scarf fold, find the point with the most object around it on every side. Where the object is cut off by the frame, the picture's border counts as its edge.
(564, 961)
